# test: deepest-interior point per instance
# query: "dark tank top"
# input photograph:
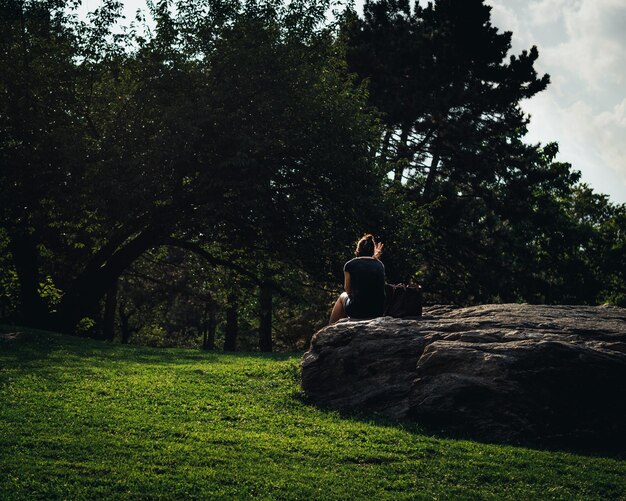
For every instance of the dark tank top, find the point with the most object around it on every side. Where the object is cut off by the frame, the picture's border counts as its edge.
(367, 287)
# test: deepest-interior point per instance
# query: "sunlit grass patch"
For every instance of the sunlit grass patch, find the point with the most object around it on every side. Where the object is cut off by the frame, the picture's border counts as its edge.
(83, 419)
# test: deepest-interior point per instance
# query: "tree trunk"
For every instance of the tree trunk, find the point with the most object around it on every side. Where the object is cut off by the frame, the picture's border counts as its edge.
(212, 327)
(124, 324)
(265, 324)
(432, 173)
(232, 327)
(210, 323)
(108, 320)
(83, 298)
(385, 145)
(204, 327)
(402, 154)
(32, 309)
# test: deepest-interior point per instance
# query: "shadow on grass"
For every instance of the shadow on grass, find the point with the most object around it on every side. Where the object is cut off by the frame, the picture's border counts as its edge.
(33, 346)
(18, 342)
(580, 447)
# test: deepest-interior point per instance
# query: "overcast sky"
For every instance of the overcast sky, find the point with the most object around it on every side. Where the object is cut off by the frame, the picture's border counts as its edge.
(582, 45)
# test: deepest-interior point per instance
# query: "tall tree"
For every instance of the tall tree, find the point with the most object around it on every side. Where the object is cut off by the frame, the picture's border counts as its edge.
(481, 197)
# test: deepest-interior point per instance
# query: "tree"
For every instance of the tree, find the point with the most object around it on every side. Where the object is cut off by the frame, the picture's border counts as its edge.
(485, 209)
(40, 114)
(438, 74)
(238, 130)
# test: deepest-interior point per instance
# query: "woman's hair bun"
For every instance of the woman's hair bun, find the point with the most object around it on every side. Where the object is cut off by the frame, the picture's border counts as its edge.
(365, 245)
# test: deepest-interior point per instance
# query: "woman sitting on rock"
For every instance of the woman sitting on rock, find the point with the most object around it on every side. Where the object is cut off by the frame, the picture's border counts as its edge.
(364, 283)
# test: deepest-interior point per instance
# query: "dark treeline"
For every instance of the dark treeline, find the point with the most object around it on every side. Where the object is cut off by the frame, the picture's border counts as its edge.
(201, 178)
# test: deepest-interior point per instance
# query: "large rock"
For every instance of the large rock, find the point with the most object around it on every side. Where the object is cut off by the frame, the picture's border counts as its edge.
(548, 375)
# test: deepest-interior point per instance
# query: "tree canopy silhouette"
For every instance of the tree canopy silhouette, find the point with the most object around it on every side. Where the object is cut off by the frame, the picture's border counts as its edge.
(226, 156)
(491, 207)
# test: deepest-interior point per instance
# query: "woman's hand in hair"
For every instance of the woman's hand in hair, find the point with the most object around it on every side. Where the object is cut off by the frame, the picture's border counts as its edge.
(378, 250)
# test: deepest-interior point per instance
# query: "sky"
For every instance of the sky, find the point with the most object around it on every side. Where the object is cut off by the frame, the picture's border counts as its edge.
(582, 46)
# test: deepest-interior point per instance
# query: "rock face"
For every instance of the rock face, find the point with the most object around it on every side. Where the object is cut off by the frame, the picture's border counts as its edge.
(546, 375)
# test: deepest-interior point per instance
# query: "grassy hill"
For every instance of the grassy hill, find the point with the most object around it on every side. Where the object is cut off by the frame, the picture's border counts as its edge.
(83, 419)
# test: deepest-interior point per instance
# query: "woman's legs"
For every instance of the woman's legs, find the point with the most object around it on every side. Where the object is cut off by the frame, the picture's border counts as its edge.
(339, 310)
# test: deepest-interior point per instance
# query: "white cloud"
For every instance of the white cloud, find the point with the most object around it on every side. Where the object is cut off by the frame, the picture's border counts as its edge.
(549, 11)
(582, 45)
(595, 48)
(506, 18)
(594, 143)
(608, 131)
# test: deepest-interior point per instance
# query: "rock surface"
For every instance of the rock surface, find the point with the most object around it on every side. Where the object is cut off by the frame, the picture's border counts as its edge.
(546, 375)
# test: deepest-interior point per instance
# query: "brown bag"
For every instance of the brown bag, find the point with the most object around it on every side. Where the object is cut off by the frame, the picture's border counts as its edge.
(403, 300)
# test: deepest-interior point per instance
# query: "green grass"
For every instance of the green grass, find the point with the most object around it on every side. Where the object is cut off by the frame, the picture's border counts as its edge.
(86, 420)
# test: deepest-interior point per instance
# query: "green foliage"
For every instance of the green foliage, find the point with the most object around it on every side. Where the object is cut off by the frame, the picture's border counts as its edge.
(49, 292)
(485, 216)
(82, 419)
(85, 326)
(221, 165)
(9, 281)
(166, 129)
